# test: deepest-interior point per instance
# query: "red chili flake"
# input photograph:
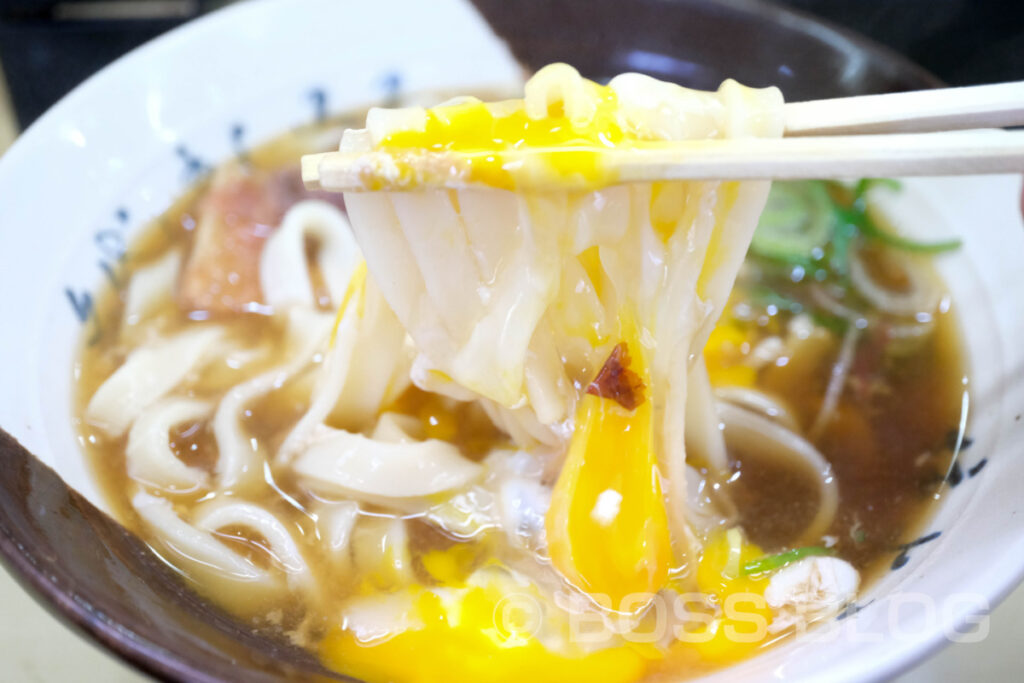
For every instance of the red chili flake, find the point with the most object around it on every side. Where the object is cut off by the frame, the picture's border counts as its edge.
(617, 382)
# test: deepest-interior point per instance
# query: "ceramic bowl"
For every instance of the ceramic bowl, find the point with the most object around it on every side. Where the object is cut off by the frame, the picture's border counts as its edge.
(116, 152)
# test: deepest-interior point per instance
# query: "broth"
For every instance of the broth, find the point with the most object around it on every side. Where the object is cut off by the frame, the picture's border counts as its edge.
(888, 443)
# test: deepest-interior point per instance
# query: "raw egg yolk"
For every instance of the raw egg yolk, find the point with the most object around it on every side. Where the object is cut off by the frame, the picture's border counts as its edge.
(741, 625)
(476, 638)
(607, 527)
(481, 133)
(725, 357)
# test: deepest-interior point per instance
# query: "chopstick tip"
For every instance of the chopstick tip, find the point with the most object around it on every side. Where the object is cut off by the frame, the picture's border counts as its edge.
(311, 171)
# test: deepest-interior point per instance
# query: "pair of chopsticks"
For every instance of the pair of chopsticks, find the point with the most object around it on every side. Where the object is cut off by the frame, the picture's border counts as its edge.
(949, 131)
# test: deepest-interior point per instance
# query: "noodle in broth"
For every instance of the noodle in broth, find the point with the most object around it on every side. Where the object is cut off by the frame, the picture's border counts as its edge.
(370, 457)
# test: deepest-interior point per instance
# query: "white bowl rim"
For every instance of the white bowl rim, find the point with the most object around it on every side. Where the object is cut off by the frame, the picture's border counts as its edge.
(1001, 579)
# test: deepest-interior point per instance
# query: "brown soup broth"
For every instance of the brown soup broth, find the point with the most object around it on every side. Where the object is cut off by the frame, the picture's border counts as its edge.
(889, 444)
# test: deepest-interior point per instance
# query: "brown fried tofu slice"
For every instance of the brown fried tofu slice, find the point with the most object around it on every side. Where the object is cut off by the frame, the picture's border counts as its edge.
(234, 219)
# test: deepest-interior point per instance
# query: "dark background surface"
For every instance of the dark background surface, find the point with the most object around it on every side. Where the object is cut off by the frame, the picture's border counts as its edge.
(46, 47)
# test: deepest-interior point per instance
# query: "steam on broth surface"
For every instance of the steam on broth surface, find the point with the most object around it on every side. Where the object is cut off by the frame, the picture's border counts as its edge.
(440, 462)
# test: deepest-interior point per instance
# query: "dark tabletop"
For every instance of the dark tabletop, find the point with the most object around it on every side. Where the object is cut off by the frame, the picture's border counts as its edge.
(46, 47)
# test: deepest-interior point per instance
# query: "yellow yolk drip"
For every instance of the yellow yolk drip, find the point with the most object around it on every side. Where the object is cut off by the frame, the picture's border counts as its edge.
(356, 287)
(725, 354)
(607, 526)
(478, 637)
(741, 627)
(482, 133)
(450, 567)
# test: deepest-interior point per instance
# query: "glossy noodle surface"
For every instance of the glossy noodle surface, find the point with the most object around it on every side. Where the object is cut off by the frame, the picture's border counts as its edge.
(518, 438)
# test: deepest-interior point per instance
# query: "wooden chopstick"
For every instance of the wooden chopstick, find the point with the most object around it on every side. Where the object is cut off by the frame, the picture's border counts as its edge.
(806, 152)
(949, 153)
(977, 106)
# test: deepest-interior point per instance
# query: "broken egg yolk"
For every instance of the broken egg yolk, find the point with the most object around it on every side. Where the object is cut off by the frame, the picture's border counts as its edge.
(740, 626)
(725, 356)
(483, 133)
(607, 527)
(476, 633)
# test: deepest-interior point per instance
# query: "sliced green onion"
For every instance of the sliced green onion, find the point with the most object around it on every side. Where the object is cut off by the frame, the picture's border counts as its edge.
(764, 296)
(865, 184)
(842, 240)
(796, 222)
(830, 322)
(870, 229)
(770, 563)
(858, 216)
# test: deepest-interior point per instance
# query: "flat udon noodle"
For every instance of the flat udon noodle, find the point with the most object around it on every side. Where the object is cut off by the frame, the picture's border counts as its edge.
(149, 373)
(760, 403)
(284, 273)
(338, 462)
(494, 289)
(344, 464)
(220, 514)
(390, 466)
(366, 368)
(757, 433)
(352, 392)
(151, 285)
(240, 459)
(379, 550)
(369, 328)
(205, 559)
(149, 456)
(337, 522)
(135, 399)
(215, 566)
